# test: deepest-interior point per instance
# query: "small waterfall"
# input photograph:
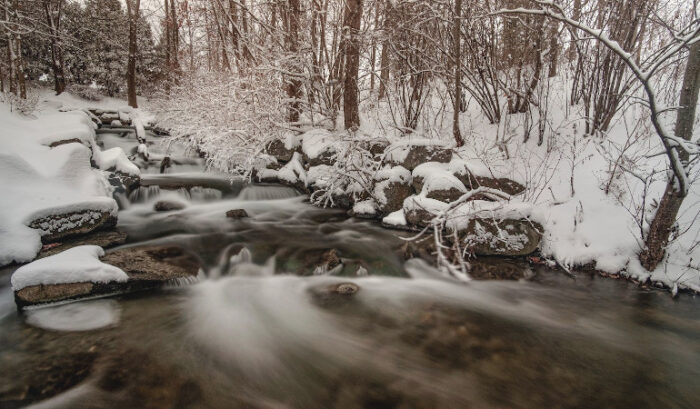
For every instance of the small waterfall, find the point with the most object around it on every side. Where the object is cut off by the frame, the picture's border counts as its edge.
(144, 194)
(256, 192)
(204, 194)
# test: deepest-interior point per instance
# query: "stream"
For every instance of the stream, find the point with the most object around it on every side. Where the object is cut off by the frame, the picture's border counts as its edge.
(264, 326)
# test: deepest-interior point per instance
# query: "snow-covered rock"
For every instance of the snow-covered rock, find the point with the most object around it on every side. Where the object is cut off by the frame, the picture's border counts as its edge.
(86, 271)
(392, 186)
(411, 153)
(319, 147)
(283, 150)
(474, 173)
(419, 211)
(365, 209)
(435, 181)
(293, 173)
(501, 237)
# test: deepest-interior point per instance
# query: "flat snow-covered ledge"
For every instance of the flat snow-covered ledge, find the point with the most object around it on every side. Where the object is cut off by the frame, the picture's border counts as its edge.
(77, 265)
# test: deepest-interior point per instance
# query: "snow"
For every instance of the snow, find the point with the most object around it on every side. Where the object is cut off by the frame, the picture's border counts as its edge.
(293, 171)
(420, 202)
(365, 207)
(436, 176)
(37, 181)
(315, 142)
(77, 265)
(319, 176)
(114, 159)
(396, 218)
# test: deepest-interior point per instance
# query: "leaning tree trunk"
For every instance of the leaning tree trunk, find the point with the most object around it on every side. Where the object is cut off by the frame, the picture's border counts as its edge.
(132, 8)
(351, 30)
(660, 230)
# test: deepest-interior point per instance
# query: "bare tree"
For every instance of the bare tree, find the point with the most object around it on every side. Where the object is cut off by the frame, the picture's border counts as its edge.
(53, 10)
(456, 54)
(351, 29)
(132, 10)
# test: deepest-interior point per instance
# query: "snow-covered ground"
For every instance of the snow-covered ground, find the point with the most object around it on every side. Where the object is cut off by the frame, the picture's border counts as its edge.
(38, 181)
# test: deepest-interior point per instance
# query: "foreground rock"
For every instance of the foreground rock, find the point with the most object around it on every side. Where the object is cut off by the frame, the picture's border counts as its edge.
(144, 268)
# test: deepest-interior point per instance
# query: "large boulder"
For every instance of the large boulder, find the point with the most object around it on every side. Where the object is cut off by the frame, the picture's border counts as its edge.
(392, 186)
(501, 237)
(410, 154)
(57, 227)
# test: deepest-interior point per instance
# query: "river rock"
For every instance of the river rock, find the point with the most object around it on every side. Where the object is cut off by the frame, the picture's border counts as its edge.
(153, 265)
(280, 150)
(123, 183)
(392, 186)
(474, 174)
(501, 237)
(167, 206)
(57, 227)
(237, 214)
(435, 181)
(147, 267)
(419, 211)
(411, 154)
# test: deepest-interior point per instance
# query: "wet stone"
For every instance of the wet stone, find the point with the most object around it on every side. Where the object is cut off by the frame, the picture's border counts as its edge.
(237, 214)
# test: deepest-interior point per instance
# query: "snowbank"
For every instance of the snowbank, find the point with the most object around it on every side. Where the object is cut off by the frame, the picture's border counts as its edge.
(77, 265)
(37, 181)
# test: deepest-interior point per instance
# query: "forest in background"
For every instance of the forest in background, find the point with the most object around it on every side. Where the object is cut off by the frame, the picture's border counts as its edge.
(229, 76)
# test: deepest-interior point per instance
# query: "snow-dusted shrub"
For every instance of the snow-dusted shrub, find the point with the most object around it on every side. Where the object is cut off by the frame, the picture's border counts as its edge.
(86, 92)
(225, 116)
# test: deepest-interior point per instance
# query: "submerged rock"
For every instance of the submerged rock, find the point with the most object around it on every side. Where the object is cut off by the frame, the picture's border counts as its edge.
(237, 214)
(167, 206)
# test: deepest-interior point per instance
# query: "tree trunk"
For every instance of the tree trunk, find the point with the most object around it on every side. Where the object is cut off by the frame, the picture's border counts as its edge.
(457, 55)
(384, 58)
(294, 84)
(53, 20)
(665, 218)
(132, 9)
(351, 31)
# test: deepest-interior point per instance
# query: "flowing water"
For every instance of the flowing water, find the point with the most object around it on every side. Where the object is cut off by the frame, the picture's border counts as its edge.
(265, 327)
